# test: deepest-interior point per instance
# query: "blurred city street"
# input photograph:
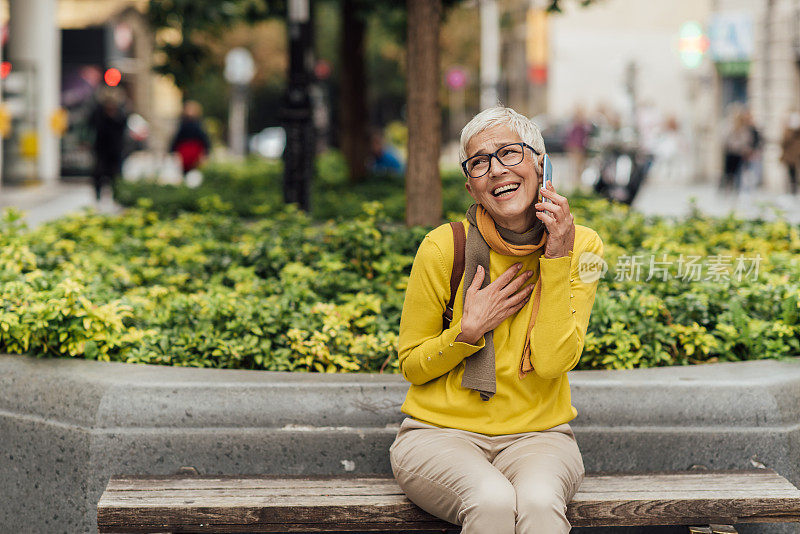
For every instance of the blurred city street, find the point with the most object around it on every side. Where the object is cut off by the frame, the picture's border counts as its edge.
(43, 203)
(690, 93)
(674, 200)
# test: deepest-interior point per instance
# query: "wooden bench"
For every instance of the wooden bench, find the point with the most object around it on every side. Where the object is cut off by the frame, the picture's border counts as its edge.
(185, 503)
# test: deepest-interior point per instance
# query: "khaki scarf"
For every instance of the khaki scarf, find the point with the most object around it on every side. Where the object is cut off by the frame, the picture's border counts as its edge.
(479, 368)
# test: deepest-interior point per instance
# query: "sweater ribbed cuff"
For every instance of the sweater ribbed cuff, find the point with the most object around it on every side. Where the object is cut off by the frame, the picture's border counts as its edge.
(556, 301)
(442, 354)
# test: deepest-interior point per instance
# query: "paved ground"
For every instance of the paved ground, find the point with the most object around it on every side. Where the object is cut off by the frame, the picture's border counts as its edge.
(659, 197)
(671, 200)
(44, 203)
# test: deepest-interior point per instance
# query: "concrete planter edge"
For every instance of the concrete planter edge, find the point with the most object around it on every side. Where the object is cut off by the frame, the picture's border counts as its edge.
(67, 425)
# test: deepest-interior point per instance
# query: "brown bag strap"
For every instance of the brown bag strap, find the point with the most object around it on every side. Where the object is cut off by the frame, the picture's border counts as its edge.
(459, 244)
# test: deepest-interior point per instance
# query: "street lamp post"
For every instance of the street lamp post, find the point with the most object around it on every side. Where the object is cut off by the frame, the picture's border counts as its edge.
(490, 53)
(298, 156)
(239, 71)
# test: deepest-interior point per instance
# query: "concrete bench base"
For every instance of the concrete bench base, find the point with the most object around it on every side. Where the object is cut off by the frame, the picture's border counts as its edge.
(67, 426)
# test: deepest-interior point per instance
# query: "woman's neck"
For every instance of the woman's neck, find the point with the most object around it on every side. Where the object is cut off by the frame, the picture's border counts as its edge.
(522, 224)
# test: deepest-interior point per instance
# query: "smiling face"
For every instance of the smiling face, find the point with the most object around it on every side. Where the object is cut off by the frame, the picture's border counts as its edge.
(507, 193)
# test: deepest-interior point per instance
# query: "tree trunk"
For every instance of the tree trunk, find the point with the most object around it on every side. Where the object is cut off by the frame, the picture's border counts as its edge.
(423, 184)
(354, 119)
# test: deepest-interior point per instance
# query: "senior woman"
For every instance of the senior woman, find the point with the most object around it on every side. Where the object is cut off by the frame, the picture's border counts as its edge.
(486, 443)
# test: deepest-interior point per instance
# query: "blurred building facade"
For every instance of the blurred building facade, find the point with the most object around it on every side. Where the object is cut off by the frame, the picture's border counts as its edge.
(59, 54)
(630, 56)
(622, 57)
(773, 78)
(625, 55)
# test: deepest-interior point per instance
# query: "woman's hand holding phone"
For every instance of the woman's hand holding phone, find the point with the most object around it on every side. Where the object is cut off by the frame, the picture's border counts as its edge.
(547, 177)
(558, 219)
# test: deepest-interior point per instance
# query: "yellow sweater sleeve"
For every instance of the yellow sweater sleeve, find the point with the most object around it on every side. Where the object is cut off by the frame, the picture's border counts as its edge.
(566, 304)
(426, 352)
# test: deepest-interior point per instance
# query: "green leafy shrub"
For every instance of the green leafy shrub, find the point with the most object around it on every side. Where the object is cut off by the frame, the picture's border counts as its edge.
(213, 287)
(255, 189)
(209, 290)
(250, 189)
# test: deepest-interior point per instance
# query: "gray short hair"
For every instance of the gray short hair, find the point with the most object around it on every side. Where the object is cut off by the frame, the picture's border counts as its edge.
(500, 115)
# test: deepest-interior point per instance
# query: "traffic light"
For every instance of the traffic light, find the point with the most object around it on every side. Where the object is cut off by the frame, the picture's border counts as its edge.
(692, 44)
(112, 77)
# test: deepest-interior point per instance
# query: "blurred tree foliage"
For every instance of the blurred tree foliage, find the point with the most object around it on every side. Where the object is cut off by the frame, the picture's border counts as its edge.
(185, 30)
(364, 41)
(193, 35)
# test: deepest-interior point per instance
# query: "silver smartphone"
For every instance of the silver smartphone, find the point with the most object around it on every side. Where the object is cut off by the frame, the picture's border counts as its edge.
(548, 176)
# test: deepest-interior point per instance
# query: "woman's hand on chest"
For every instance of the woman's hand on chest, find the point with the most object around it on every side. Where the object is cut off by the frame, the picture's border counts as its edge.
(485, 309)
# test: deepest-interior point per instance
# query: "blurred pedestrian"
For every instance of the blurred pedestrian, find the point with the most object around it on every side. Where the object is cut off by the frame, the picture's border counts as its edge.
(738, 146)
(670, 153)
(790, 145)
(383, 157)
(191, 142)
(750, 176)
(649, 125)
(576, 143)
(109, 121)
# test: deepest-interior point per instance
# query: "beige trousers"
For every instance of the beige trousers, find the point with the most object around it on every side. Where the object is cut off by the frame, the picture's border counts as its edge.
(513, 483)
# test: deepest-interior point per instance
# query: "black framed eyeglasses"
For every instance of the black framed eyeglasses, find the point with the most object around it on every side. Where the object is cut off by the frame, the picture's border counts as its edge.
(508, 156)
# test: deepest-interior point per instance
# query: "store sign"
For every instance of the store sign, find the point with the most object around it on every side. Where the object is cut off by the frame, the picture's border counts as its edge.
(733, 68)
(731, 37)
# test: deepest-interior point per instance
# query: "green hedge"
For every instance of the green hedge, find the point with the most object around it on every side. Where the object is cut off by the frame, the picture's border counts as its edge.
(212, 290)
(255, 189)
(283, 292)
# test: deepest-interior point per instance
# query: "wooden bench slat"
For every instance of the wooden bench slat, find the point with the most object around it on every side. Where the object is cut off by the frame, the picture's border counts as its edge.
(286, 504)
(683, 512)
(755, 474)
(402, 515)
(262, 498)
(687, 482)
(589, 490)
(385, 486)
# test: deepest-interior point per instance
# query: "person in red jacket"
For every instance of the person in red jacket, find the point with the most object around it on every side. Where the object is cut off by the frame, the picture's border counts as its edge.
(191, 141)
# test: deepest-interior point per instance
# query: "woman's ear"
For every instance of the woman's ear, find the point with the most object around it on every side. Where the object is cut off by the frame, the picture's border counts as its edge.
(538, 165)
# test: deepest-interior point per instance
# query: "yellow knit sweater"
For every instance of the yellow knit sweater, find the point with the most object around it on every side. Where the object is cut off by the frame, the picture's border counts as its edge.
(433, 361)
